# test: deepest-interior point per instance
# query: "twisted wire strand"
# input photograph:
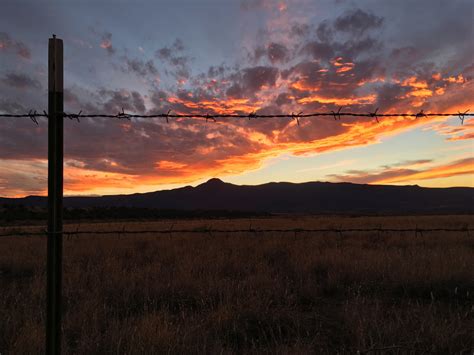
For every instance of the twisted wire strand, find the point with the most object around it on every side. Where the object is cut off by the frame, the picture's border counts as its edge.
(250, 230)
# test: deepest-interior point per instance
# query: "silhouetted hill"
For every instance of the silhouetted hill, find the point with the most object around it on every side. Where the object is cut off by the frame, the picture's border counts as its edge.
(283, 197)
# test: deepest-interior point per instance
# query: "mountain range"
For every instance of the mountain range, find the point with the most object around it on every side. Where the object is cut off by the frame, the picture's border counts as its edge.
(283, 197)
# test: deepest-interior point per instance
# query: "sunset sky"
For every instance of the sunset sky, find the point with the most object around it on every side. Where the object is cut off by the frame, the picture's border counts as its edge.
(238, 57)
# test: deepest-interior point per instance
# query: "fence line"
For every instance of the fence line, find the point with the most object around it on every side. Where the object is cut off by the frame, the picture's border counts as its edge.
(337, 115)
(55, 180)
(249, 230)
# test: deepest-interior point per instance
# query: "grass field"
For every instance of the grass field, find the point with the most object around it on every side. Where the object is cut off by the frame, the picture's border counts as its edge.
(247, 293)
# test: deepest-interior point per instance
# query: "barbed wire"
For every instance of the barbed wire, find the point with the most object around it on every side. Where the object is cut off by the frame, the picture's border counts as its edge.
(337, 115)
(209, 230)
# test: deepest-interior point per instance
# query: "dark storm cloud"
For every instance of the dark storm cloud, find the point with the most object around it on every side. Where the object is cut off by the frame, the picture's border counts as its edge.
(140, 67)
(254, 78)
(11, 106)
(388, 95)
(277, 52)
(283, 99)
(299, 30)
(274, 52)
(115, 100)
(20, 81)
(249, 81)
(327, 45)
(357, 22)
(8, 44)
(318, 50)
(215, 71)
(353, 48)
(324, 31)
(173, 56)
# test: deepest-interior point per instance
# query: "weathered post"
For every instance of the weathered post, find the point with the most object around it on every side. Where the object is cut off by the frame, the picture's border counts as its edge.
(55, 195)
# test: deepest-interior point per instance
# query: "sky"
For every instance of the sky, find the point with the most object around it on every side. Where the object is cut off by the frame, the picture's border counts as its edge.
(239, 56)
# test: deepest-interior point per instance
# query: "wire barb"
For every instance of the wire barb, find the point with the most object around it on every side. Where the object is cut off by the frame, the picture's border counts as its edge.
(337, 115)
(296, 117)
(252, 115)
(122, 114)
(420, 114)
(374, 114)
(462, 116)
(72, 116)
(167, 115)
(210, 118)
(33, 117)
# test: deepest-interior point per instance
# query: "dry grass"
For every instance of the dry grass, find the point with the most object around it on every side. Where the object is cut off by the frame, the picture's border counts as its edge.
(248, 294)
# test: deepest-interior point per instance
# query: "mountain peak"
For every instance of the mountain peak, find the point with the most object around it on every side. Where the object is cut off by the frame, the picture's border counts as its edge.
(214, 182)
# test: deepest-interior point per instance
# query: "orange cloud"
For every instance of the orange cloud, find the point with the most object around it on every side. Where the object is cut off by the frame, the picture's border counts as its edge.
(461, 167)
(169, 165)
(420, 87)
(219, 106)
(408, 172)
(352, 133)
(342, 67)
(106, 44)
(339, 101)
(458, 80)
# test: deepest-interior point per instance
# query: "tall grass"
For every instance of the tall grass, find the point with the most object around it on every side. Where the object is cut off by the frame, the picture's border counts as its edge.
(250, 293)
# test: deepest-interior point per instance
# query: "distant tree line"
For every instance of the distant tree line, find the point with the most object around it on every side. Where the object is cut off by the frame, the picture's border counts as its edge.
(11, 213)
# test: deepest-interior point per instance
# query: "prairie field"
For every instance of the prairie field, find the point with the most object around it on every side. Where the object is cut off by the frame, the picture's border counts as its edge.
(249, 292)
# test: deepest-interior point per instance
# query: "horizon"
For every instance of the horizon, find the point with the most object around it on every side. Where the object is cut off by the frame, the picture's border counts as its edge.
(244, 185)
(263, 56)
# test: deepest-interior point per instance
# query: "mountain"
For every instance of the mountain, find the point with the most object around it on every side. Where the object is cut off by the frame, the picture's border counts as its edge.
(284, 197)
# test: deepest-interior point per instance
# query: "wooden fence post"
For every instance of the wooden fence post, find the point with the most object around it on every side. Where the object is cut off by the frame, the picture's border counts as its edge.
(55, 195)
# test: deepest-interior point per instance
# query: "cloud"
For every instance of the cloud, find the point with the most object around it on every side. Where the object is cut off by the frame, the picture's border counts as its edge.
(357, 22)
(277, 53)
(283, 99)
(455, 132)
(399, 173)
(345, 60)
(248, 81)
(106, 43)
(408, 163)
(173, 56)
(299, 30)
(254, 78)
(141, 68)
(8, 44)
(18, 179)
(20, 81)
(115, 100)
(13, 107)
